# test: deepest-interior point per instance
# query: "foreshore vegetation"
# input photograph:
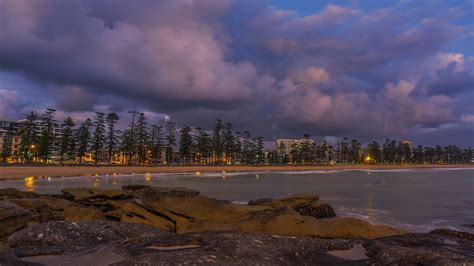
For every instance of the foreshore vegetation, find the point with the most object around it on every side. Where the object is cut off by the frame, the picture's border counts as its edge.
(97, 140)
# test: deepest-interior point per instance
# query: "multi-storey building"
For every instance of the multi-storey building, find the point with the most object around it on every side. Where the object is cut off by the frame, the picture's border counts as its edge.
(14, 127)
(6, 126)
(287, 144)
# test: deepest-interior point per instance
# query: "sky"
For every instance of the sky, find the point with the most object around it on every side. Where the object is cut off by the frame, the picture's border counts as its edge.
(278, 68)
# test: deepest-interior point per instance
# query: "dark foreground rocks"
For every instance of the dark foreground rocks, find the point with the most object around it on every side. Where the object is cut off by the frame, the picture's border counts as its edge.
(12, 218)
(118, 243)
(151, 225)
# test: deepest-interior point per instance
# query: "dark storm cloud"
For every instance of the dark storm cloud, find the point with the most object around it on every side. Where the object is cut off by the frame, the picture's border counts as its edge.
(451, 81)
(340, 71)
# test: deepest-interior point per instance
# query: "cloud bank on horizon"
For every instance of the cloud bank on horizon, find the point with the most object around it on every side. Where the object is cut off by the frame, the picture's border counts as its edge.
(402, 70)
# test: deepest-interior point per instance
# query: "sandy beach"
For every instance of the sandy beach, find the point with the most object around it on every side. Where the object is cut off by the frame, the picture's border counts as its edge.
(11, 172)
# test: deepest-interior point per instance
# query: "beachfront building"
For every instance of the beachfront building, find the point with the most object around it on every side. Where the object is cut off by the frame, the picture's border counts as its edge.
(9, 132)
(285, 146)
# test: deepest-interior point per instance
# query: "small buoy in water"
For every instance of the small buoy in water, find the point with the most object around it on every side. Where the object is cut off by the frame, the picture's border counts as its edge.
(368, 172)
(197, 173)
(223, 172)
(257, 176)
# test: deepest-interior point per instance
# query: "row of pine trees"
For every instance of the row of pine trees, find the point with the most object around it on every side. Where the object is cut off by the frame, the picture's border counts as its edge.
(43, 137)
(140, 143)
(352, 152)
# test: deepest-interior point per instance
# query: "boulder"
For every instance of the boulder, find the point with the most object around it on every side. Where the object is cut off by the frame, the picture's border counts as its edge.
(12, 218)
(304, 204)
(13, 193)
(317, 210)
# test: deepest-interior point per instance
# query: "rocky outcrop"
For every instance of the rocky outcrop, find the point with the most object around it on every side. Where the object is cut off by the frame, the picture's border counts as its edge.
(453, 233)
(104, 242)
(184, 210)
(308, 205)
(12, 218)
(46, 208)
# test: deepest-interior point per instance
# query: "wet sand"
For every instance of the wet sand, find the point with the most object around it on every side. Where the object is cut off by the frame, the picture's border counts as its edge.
(10, 172)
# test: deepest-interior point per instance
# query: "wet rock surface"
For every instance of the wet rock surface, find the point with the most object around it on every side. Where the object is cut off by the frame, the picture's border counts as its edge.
(105, 242)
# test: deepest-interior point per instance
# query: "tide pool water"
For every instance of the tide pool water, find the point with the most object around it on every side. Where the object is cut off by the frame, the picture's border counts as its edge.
(418, 200)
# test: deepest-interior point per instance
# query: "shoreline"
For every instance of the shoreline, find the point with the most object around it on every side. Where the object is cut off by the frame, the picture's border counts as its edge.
(16, 172)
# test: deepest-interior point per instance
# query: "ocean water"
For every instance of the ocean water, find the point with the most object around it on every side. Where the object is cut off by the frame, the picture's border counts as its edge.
(418, 200)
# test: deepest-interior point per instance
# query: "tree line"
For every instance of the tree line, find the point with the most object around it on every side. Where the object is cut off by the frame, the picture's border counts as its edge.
(351, 152)
(44, 139)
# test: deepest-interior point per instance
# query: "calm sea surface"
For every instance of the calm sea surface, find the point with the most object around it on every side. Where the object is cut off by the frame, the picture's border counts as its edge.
(418, 200)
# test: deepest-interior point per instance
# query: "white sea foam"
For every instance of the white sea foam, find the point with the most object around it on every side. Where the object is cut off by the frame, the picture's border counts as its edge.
(384, 217)
(240, 202)
(451, 169)
(307, 172)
